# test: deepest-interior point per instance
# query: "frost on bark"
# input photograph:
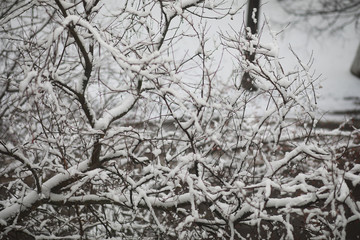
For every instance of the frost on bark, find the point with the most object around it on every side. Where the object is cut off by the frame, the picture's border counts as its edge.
(355, 66)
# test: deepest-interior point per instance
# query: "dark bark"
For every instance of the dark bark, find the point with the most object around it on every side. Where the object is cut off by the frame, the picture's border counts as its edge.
(355, 66)
(252, 23)
(253, 14)
(17, 235)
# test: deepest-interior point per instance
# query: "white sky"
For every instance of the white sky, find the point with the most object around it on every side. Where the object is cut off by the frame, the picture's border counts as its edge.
(333, 55)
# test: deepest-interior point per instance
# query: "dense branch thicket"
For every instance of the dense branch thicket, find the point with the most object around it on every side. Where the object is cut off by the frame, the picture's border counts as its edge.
(112, 127)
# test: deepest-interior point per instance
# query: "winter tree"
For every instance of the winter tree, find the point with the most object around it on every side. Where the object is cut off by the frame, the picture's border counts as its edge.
(336, 14)
(118, 121)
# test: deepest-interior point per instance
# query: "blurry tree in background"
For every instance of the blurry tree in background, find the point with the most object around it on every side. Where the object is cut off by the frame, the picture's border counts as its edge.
(336, 13)
(252, 25)
(116, 121)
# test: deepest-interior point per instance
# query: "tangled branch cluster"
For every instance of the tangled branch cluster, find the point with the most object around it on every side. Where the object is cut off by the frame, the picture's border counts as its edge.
(112, 127)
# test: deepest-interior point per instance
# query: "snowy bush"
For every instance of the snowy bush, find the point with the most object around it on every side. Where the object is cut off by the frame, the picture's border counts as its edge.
(117, 121)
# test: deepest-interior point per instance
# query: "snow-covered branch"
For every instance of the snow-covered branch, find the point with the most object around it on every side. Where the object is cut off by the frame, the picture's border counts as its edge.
(121, 121)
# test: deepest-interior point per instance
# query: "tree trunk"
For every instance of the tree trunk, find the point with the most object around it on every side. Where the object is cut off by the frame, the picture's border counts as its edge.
(252, 23)
(253, 15)
(355, 67)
